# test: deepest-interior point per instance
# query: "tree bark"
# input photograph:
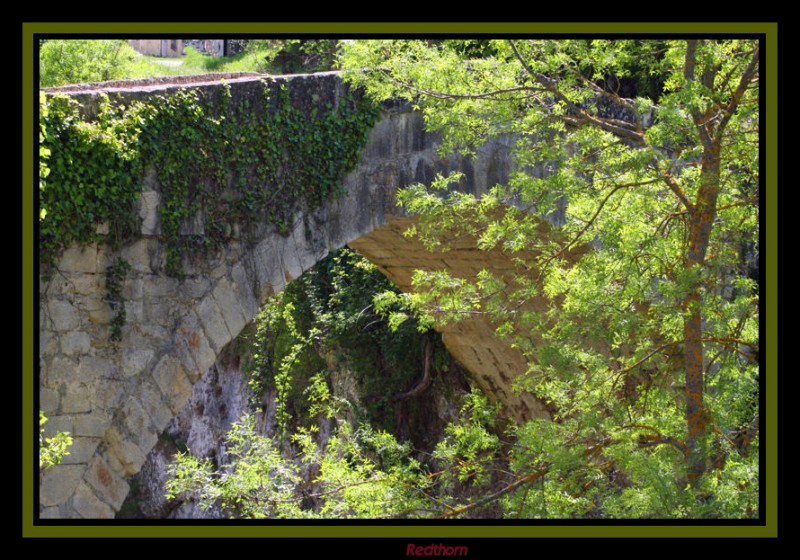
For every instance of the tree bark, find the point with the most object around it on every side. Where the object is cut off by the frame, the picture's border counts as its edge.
(700, 236)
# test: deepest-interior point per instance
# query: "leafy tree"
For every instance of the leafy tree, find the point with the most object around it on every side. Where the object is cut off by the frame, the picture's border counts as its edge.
(646, 152)
(51, 450)
(73, 61)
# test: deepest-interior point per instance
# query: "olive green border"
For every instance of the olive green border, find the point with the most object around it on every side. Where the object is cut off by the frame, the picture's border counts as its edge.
(770, 32)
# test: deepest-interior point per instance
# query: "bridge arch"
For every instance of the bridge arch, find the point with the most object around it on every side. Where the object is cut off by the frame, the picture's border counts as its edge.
(115, 398)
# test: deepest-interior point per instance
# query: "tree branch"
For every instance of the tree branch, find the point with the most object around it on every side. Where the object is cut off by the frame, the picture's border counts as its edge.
(675, 188)
(749, 74)
(532, 477)
(420, 387)
(584, 117)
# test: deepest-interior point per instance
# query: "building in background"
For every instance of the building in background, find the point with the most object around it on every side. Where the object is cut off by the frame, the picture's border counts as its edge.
(158, 47)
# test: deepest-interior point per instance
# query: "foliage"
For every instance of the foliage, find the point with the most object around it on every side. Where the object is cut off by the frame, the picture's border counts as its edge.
(357, 475)
(293, 56)
(74, 61)
(195, 145)
(638, 315)
(92, 167)
(115, 278)
(53, 449)
(327, 318)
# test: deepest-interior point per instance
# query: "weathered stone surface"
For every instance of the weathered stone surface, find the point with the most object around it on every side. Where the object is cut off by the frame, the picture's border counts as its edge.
(155, 405)
(138, 255)
(148, 210)
(48, 400)
(92, 425)
(192, 347)
(88, 505)
(171, 378)
(75, 342)
(107, 483)
(108, 394)
(81, 450)
(77, 398)
(244, 288)
(92, 368)
(137, 421)
(63, 316)
(50, 513)
(59, 483)
(57, 424)
(124, 456)
(213, 323)
(62, 370)
(135, 360)
(77, 259)
(226, 296)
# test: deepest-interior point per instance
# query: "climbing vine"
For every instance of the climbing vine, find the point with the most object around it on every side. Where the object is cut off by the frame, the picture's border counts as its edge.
(222, 168)
(115, 278)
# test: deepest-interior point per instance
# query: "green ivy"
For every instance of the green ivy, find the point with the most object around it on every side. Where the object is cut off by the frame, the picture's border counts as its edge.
(115, 278)
(233, 166)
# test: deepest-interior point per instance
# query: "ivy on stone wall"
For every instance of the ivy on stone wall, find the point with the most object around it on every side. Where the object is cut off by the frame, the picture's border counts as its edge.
(222, 169)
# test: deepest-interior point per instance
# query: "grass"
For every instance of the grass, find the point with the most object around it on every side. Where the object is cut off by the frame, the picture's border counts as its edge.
(196, 63)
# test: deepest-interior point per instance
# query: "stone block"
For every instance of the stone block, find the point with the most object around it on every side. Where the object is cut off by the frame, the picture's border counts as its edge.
(91, 425)
(227, 297)
(79, 259)
(57, 424)
(157, 287)
(107, 394)
(75, 342)
(138, 423)
(173, 382)
(134, 312)
(62, 370)
(244, 287)
(59, 483)
(101, 315)
(160, 311)
(133, 289)
(195, 288)
(77, 398)
(50, 513)
(134, 361)
(268, 268)
(81, 450)
(48, 400)
(192, 347)
(125, 457)
(213, 324)
(92, 368)
(108, 484)
(153, 402)
(89, 506)
(149, 202)
(138, 255)
(63, 315)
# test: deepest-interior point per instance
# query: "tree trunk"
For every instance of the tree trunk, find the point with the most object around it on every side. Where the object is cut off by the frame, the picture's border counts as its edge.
(701, 225)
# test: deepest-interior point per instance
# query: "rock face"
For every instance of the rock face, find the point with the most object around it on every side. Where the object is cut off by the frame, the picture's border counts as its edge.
(118, 398)
(220, 398)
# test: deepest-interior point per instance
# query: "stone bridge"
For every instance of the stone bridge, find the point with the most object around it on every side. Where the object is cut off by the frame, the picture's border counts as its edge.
(115, 399)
